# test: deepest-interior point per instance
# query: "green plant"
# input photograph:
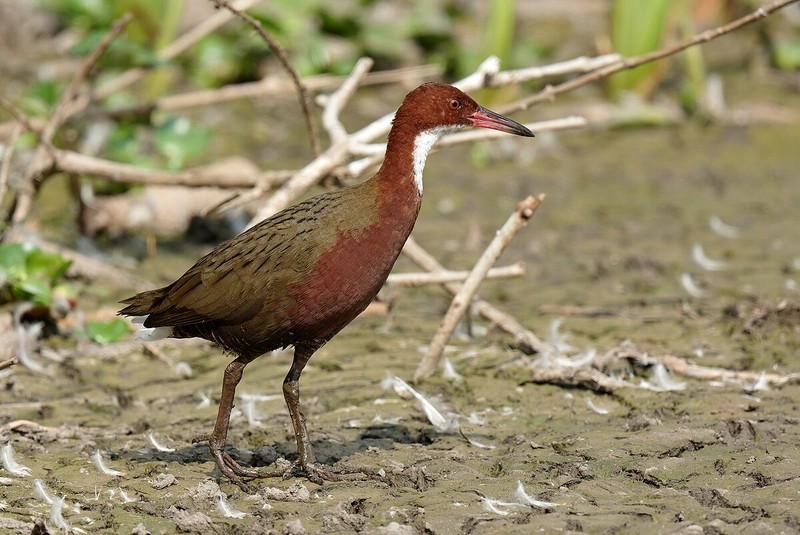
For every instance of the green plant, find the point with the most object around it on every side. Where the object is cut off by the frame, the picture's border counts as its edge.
(30, 274)
(637, 28)
(107, 332)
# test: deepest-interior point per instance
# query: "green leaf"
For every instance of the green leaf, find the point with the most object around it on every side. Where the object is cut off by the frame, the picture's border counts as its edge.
(40, 98)
(786, 54)
(637, 28)
(83, 13)
(178, 140)
(107, 332)
(122, 53)
(30, 273)
(35, 290)
(12, 258)
(46, 266)
(216, 61)
(27, 140)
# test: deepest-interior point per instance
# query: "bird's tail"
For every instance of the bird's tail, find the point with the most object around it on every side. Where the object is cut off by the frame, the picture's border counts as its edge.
(142, 304)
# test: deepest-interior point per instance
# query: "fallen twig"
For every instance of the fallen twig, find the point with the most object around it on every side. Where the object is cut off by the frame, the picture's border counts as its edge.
(683, 367)
(8, 363)
(424, 279)
(462, 299)
(585, 377)
(524, 338)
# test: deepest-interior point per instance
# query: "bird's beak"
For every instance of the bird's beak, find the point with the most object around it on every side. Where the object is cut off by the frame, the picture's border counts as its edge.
(484, 118)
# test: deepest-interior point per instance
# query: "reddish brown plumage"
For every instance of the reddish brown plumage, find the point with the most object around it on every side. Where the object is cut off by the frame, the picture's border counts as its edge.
(302, 275)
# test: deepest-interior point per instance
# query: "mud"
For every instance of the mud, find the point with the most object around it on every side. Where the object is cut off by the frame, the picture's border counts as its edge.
(623, 210)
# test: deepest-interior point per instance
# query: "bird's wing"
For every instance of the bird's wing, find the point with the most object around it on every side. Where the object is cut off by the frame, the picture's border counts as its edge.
(254, 271)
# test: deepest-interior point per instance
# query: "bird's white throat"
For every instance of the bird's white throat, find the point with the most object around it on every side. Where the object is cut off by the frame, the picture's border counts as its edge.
(422, 146)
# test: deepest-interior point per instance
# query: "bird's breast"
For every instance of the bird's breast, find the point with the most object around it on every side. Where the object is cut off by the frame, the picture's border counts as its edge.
(350, 272)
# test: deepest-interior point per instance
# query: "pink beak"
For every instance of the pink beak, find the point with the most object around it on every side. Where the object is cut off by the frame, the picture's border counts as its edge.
(484, 118)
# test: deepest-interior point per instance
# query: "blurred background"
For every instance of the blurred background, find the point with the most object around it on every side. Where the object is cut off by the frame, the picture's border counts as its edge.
(670, 222)
(701, 103)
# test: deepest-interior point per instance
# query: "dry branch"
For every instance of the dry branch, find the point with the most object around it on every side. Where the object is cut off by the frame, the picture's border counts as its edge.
(524, 338)
(683, 367)
(415, 280)
(579, 64)
(8, 156)
(274, 86)
(336, 102)
(589, 378)
(550, 92)
(592, 374)
(171, 51)
(65, 99)
(81, 164)
(462, 299)
(43, 157)
(283, 58)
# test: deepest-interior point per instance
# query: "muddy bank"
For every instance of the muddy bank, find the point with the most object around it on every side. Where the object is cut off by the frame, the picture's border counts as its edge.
(623, 212)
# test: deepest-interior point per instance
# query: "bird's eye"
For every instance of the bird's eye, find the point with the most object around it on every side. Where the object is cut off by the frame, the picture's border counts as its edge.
(454, 103)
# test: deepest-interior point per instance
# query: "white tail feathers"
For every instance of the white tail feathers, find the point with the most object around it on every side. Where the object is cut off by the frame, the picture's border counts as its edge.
(148, 334)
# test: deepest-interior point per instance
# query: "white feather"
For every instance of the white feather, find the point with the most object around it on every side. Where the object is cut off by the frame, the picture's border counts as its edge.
(11, 465)
(722, 228)
(700, 258)
(149, 334)
(422, 146)
(527, 499)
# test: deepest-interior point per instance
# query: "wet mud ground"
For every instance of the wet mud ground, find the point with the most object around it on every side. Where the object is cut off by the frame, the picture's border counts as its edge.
(623, 210)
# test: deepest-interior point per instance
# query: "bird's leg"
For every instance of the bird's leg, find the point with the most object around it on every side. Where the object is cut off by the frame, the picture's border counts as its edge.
(216, 441)
(291, 393)
(306, 460)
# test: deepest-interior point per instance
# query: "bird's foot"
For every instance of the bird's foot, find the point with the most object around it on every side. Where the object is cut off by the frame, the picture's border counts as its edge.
(226, 464)
(315, 472)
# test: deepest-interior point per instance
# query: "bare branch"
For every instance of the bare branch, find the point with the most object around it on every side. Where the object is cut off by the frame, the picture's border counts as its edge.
(81, 164)
(336, 102)
(683, 367)
(462, 299)
(19, 115)
(525, 338)
(65, 103)
(579, 64)
(423, 279)
(550, 92)
(8, 156)
(277, 86)
(280, 53)
(44, 157)
(181, 44)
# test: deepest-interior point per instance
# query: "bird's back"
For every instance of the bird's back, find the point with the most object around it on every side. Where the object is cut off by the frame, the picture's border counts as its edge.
(278, 282)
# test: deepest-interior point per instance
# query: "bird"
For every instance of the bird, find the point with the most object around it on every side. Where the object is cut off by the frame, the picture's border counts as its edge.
(300, 276)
